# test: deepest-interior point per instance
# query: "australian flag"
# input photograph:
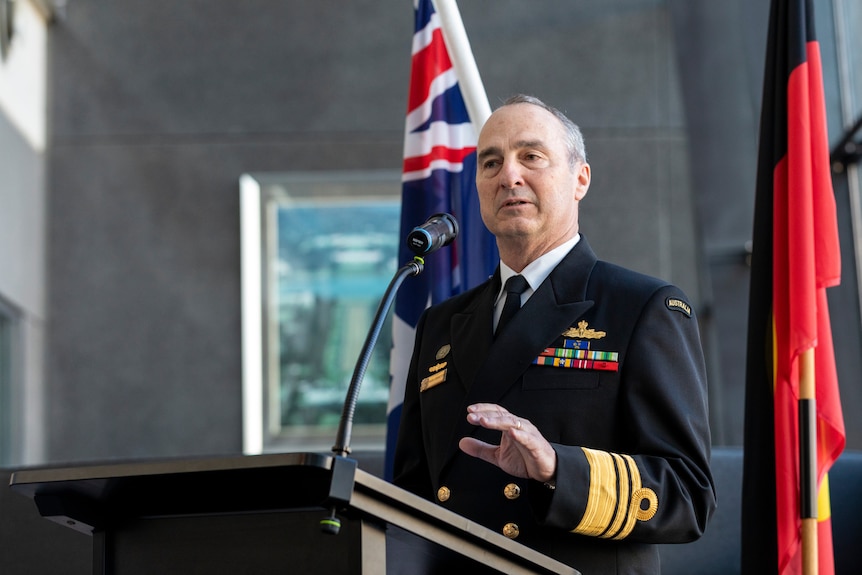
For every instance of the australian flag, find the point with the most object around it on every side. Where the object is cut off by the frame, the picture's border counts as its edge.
(438, 176)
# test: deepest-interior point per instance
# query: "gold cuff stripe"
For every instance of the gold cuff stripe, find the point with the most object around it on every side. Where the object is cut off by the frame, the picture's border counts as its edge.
(631, 508)
(621, 495)
(615, 496)
(602, 501)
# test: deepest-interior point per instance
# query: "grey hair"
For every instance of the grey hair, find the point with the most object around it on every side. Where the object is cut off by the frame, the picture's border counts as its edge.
(574, 137)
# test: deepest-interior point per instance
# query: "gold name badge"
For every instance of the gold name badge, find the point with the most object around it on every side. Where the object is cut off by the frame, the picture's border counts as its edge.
(433, 380)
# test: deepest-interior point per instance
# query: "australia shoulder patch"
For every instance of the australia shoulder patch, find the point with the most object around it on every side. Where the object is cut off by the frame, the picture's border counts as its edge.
(676, 304)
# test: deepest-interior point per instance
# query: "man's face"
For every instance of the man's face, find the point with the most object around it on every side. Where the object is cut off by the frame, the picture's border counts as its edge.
(528, 191)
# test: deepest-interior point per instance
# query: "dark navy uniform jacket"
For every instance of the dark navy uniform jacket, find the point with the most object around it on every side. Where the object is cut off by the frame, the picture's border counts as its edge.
(627, 415)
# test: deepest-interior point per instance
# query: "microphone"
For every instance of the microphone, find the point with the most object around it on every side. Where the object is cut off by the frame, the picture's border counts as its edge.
(438, 231)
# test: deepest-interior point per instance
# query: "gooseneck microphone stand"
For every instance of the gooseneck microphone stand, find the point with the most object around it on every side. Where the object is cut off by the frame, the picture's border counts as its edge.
(438, 231)
(341, 449)
(345, 426)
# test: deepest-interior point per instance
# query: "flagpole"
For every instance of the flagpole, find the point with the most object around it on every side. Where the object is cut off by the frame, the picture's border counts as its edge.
(461, 54)
(808, 462)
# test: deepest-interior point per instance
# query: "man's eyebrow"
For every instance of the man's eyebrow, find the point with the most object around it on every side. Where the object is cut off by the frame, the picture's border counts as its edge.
(489, 151)
(519, 145)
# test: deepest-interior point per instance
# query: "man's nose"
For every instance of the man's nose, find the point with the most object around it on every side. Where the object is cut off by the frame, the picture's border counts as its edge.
(511, 175)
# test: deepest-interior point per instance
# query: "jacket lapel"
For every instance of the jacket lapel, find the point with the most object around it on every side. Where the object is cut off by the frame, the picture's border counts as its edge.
(472, 335)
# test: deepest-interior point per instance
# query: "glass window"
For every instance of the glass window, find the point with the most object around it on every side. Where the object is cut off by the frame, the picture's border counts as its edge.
(328, 250)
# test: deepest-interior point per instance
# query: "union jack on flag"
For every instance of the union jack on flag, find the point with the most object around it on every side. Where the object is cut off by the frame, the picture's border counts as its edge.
(438, 176)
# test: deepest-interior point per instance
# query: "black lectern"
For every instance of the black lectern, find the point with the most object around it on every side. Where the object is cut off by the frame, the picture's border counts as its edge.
(262, 514)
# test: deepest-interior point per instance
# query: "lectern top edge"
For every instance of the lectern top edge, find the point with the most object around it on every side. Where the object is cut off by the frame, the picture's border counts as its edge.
(102, 498)
(27, 481)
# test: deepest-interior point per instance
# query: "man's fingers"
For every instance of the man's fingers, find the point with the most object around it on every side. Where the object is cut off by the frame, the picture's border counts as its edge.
(476, 448)
(488, 409)
(494, 419)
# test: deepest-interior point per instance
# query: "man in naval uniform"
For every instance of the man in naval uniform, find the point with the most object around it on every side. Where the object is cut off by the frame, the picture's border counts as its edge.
(580, 428)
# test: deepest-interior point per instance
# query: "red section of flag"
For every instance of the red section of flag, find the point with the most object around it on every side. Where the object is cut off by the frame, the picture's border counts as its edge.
(795, 185)
(452, 155)
(806, 256)
(430, 61)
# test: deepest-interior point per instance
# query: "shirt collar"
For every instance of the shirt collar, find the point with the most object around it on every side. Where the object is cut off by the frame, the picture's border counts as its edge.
(538, 270)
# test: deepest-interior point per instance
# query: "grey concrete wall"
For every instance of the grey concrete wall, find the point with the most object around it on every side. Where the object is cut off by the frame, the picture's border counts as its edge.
(721, 52)
(156, 108)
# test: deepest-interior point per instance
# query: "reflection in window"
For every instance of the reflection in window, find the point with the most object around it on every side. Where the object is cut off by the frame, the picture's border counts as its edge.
(328, 250)
(333, 264)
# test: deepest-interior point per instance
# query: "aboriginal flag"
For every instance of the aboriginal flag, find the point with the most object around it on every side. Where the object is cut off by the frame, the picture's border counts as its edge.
(795, 257)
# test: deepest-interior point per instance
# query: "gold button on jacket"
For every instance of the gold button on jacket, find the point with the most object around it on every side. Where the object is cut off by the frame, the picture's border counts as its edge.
(511, 530)
(443, 493)
(512, 491)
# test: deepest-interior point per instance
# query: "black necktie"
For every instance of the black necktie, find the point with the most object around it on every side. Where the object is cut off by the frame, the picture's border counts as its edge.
(515, 286)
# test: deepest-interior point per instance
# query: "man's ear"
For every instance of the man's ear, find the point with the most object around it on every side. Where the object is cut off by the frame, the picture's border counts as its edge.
(582, 177)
